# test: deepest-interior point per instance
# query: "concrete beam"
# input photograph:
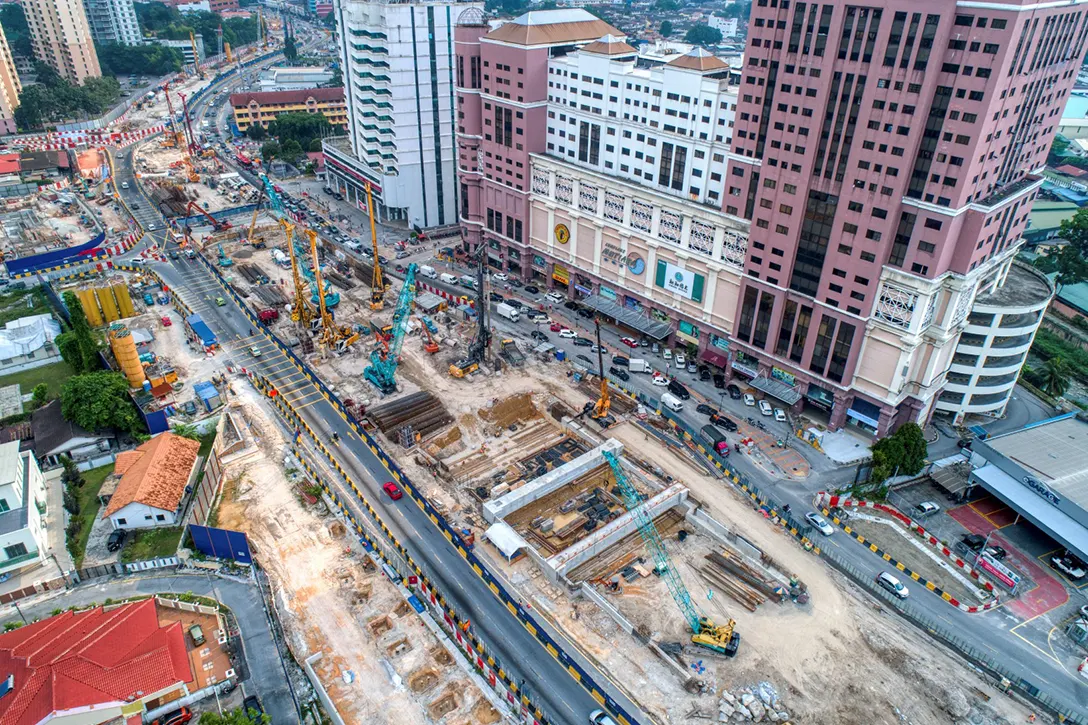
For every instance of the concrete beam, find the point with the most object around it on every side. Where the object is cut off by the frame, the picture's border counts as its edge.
(499, 508)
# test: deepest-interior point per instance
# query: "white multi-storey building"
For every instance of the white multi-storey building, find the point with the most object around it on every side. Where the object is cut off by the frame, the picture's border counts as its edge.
(667, 126)
(398, 61)
(22, 502)
(113, 21)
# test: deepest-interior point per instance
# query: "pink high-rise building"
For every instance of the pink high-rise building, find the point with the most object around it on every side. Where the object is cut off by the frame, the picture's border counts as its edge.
(886, 156)
(502, 97)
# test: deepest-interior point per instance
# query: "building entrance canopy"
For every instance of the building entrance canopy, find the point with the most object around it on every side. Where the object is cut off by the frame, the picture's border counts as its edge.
(650, 328)
(776, 389)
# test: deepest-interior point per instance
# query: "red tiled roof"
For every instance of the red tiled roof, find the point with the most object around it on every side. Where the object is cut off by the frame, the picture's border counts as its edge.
(9, 163)
(154, 474)
(1070, 170)
(90, 658)
(263, 98)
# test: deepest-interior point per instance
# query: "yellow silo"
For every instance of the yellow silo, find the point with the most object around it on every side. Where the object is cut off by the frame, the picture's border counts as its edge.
(90, 306)
(106, 301)
(124, 301)
(124, 351)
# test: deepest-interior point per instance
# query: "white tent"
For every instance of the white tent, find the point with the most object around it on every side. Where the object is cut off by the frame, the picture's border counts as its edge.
(26, 335)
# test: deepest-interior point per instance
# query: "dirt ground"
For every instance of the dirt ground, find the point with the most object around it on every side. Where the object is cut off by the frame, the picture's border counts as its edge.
(380, 663)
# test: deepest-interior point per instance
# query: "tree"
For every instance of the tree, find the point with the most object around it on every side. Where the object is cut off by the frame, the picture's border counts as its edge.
(291, 151)
(256, 132)
(666, 28)
(667, 6)
(39, 395)
(98, 401)
(301, 127)
(337, 80)
(81, 347)
(270, 150)
(902, 453)
(1070, 266)
(236, 716)
(1075, 231)
(290, 51)
(703, 35)
(119, 59)
(1055, 377)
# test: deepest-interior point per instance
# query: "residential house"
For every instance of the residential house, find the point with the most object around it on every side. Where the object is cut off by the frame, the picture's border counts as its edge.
(263, 107)
(22, 502)
(104, 665)
(149, 484)
(55, 437)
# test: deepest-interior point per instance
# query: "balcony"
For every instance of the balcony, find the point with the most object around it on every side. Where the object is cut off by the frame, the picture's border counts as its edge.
(17, 560)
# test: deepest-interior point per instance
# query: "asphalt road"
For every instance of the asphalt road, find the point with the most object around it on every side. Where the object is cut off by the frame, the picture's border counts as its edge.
(268, 677)
(561, 698)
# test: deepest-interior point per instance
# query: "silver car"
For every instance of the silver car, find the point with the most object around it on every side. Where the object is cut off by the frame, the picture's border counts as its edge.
(821, 524)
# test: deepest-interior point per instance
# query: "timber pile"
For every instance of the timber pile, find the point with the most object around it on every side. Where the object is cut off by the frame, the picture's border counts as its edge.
(421, 411)
(744, 583)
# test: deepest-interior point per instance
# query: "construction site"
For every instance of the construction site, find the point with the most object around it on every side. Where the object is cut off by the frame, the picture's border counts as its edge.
(52, 220)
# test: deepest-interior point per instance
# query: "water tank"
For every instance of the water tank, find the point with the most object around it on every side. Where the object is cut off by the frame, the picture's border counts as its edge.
(124, 351)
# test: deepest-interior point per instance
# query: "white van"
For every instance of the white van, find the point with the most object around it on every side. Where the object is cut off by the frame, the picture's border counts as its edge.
(765, 408)
(448, 278)
(672, 402)
(428, 271)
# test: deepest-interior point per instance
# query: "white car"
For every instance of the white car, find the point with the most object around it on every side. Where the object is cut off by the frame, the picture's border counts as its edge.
(765, 408)
(821, 524)
(749, 399)
(660, 380)
(500, 276)
(555, 297)
(151, 227)
(680, 359)
(667, 354)
(568, 333)
(780, 415)
(124, 184)
(893, 585)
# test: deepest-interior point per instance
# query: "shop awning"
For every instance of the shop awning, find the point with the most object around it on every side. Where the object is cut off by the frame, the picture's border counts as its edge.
(776, 389)
(715, 358)
(650, 328)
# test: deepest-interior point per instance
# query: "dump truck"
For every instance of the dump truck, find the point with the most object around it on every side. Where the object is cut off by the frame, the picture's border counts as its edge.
(509, 351)
(268, 315)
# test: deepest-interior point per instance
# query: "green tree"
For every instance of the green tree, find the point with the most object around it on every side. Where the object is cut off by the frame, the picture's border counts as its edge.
(32, 104)
(1075, 231)
(902, 453)
(16, 30)
(98, 401)
(703, 35)
(290, 50)
(39, 395)
(82, 350)
(337, 80)
(256, 132)
(1070, 265)
(667, 6)
(236, 716)
(666, 28)
(300, 127)
(270, 150)
(291, 151)
(118, 59)
(1055, 377)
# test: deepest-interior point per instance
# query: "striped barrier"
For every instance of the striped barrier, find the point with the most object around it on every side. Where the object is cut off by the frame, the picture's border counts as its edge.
(551, 645)
(63, 140)
(903, 568)
(827, 501)
(448, 296)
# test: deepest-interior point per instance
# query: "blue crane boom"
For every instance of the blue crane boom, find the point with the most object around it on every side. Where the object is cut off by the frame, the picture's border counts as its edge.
(383, 361)
(332, 299)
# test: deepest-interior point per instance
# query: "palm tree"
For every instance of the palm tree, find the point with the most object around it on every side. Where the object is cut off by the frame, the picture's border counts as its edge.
(1055, 377)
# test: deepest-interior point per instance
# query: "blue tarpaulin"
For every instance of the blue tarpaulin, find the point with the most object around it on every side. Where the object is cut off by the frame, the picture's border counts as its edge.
(201, 330)
(55, 257)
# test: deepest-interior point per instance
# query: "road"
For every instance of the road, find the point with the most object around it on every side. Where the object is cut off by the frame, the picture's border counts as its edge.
(268, 677)
(561, 698)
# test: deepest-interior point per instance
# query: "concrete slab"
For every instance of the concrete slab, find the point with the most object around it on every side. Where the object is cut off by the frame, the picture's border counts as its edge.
(843, 447)
(11, 401)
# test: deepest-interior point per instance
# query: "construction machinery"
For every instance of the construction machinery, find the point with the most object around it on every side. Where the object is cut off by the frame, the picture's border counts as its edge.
(334, 337)
(196, 56)
(481, 341)
(301, 309)
(384, 360)
(176, 138)
(721, 638)
(599, 410)
(216, 223)
(224, 260)
(192, 144)
(226, 48)
(377, 284)
(429, 344)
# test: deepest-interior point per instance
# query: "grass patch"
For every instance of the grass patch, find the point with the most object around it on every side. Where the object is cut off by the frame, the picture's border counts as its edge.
(152, 544)
(53, 375)
(88, 511)
(23, 303)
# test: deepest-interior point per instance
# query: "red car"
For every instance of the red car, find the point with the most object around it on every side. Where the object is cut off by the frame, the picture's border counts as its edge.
(629, 341)
(166, 321)
(391, 488)
(555, 327)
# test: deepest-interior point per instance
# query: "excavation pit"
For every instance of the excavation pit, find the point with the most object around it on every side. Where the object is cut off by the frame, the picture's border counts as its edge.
(423, 680)
(379, 626)
(446, 703)
(442, 656)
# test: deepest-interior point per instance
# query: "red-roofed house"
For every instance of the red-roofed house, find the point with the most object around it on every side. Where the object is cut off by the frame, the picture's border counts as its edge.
(9, 164)
(93, 667)
(149, 483)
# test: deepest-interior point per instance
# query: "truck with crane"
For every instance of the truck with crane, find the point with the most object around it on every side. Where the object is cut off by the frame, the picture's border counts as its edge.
(721, 638)
(384, 360)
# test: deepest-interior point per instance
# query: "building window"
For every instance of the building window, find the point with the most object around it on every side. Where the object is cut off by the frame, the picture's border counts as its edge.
(15, 550)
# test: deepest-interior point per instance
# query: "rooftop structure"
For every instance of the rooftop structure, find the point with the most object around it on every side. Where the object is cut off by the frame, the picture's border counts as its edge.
(151, 482)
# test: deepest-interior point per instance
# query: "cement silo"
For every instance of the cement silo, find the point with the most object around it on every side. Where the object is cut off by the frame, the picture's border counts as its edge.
(124, 351)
